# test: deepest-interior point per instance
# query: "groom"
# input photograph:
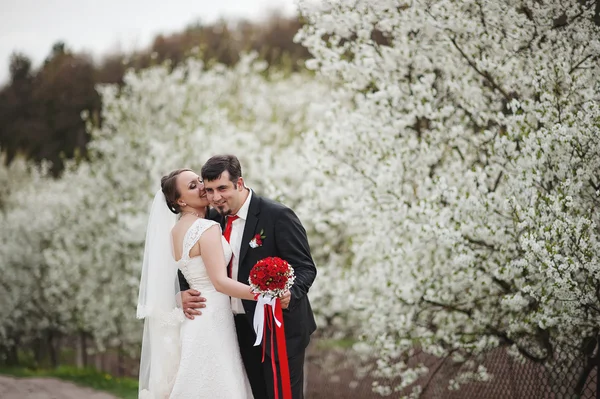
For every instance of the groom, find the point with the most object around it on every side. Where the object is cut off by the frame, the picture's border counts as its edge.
(244, 215)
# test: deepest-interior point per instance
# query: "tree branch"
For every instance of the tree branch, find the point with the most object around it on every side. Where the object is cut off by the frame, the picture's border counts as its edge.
(581, 62)
(479, 243)
(486, 75)
(522, 350)
(434, 372)
(503, 284)
(497, 182)
(447, 307)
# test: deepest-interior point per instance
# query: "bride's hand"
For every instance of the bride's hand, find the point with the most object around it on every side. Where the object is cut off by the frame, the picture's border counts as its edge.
(191, 302)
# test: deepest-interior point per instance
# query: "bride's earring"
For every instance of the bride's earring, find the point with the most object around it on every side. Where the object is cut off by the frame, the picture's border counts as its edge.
(183, 204)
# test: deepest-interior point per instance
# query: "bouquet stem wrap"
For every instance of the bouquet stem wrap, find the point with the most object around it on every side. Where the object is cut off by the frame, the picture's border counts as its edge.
(268, 311)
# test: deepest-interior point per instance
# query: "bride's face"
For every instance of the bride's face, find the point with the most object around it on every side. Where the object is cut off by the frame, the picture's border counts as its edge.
(191, 190)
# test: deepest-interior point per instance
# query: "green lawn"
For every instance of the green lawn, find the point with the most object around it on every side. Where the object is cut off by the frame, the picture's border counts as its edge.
(126, 388)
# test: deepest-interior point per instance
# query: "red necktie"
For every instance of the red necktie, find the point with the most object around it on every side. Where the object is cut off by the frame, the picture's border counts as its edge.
(227, 235)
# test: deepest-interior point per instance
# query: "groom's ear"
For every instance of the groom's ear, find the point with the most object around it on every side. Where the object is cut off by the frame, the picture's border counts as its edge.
(241, 184)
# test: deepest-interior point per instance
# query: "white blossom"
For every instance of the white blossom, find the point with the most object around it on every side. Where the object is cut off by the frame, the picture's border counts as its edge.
(469, 133)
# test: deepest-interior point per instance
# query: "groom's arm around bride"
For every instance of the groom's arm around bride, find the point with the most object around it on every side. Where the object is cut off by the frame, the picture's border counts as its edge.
(193, 300)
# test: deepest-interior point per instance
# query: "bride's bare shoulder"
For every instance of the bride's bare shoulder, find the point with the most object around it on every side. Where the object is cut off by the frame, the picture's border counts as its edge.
(178, 233)
(181, 227)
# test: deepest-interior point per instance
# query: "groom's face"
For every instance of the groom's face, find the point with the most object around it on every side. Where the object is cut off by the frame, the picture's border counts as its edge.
(225, 196)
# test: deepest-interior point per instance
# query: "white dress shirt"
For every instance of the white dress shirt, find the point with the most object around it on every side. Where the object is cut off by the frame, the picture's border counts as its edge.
(235, 241)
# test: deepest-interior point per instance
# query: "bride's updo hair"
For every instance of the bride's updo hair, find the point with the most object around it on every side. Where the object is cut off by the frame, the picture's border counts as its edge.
(168, 184)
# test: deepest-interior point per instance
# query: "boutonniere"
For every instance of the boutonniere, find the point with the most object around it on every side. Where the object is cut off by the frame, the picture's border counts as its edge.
(257, 240)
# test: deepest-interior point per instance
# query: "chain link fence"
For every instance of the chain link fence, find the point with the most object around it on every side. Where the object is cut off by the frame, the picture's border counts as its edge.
(332, 374)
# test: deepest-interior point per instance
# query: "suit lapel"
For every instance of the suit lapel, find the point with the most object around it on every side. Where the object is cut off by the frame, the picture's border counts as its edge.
(250, 228)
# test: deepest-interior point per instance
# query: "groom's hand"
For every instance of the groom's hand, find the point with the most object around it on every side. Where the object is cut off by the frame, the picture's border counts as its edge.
(285, 300)
(191, 302)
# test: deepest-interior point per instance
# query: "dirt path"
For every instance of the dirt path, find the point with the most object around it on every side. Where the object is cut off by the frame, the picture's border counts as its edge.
(45, 388)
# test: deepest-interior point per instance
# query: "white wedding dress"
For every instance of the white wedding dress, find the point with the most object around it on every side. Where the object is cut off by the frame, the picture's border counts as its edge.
(211, 365)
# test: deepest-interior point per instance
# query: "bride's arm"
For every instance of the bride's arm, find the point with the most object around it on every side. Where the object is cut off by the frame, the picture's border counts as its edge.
(211, 251)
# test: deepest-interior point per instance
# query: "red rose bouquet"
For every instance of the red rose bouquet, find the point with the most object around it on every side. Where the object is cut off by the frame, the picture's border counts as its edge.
(271, 277)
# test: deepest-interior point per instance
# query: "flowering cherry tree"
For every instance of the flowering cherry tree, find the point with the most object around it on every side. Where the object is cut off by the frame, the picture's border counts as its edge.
(470, 133)
(30, 310)
(77, 241)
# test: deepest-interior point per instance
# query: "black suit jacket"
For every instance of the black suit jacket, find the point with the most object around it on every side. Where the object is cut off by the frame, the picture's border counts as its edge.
(285, 237)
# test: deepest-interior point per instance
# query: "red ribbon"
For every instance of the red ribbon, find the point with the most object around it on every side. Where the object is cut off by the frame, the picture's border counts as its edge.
(279, 337)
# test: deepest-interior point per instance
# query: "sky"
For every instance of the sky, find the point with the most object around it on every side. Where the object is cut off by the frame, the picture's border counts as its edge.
(100, 27)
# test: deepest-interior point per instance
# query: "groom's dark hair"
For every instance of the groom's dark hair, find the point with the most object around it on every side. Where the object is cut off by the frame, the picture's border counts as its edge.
(216, 165)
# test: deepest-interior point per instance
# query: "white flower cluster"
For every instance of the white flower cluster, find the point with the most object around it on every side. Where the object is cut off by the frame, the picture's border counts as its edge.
(448, 170)
(72, 247)
(469, 134)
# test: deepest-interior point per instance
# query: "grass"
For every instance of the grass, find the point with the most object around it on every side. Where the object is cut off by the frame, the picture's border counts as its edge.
(126, 388)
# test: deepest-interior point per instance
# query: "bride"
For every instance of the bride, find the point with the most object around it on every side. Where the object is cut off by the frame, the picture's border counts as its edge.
(183, 358)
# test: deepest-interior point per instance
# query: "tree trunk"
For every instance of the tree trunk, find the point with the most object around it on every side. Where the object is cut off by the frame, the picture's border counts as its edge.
(99, 357)
(38, 351)
(121, 360)
(593, 361)
(81, 357)
(53, 348)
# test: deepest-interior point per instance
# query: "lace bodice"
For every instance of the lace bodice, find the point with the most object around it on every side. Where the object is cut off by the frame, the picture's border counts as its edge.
(211, 365)
(193, 269)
